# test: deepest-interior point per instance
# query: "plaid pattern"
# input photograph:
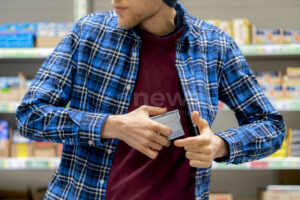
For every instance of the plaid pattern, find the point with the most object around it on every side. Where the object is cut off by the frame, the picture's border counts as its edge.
(95, 67)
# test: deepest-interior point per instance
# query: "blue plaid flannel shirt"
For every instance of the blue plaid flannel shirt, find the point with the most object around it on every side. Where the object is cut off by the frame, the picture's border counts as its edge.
(95, 67)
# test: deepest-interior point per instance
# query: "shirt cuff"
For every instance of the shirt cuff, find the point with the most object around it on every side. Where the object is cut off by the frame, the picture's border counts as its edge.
(235, 148)
(91, 125)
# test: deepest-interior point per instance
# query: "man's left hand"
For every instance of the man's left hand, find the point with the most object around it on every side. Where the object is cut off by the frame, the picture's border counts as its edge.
(201, 150)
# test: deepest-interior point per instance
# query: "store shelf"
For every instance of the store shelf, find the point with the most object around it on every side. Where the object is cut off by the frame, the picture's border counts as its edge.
(264, 164)
(248, 50)
(30, 53)
(28, 163)
(280, 105)
(8, 107)
(270, 49)
(53, 163)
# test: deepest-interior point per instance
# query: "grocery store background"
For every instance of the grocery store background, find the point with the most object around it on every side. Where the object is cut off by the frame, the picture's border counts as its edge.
(30, 29)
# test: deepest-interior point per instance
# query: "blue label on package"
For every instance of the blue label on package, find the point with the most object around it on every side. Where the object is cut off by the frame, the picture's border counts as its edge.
(4, 130)
(172, 120)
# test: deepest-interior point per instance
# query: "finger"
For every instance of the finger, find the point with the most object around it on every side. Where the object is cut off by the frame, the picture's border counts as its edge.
(153, 110)
(198, 156)
(199, 144)
(183, 142)
(200, 123)
(153, 145)
(160, 128)
(200, 164)
(147, 151)
(161, 140)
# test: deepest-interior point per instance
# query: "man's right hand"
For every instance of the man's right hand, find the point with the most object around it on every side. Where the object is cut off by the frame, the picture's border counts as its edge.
(138, 130)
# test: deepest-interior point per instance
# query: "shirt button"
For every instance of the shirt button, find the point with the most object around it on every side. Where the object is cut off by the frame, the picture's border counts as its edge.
(134, 55)
(128, 87)
(90, 142)
(109, 151)
(102, 181)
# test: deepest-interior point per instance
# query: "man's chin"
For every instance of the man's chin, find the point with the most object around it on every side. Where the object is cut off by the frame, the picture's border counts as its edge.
(126, 25)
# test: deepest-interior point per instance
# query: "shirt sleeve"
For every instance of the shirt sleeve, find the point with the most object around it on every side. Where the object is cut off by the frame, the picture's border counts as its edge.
(261, 128)
(42, 114)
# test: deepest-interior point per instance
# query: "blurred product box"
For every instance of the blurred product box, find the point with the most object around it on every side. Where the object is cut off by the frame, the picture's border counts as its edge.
(271, 84)
(294, 142)
(281, 192)
(226, 26)
(291, 36)
(269, 78)
(45, 149)
(220, 196)
(267, 36)
(47, 42)
(19, 35)
(21, 150)
(293, 72)
(21, 147)
(13, 89)
(4, 139)
(50, 34)
(241, 31)
(269, 195)
(291, 87)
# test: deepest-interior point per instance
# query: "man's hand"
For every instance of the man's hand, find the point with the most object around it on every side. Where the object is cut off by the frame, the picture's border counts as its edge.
(138, 130)
(201, 150)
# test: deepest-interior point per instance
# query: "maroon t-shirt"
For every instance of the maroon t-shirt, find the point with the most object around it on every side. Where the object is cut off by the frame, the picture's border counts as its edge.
(133, 175)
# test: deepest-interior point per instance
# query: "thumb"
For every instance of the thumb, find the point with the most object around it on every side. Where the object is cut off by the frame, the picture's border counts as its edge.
(182, 142)
(200, 123)
(153, 110)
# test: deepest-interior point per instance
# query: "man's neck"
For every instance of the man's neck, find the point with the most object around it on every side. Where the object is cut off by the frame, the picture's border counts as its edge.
(162, 23)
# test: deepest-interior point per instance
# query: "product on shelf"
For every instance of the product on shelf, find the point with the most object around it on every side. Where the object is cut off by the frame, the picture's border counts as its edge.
(271, 84)
(50, 34)
(226, 26)
(282, 192)
(44, 149)
(291, 36)
(220, 196)
(241, 31)
(295, 142)
(13, 89)
(291, 83)
(21, 147)
(267, 36)
(4, 138)
(25, 35)
(19, 35)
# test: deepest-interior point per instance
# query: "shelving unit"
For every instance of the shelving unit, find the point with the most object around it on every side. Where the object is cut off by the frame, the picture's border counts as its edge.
(247, 50)
(52, 163)
(259, 57)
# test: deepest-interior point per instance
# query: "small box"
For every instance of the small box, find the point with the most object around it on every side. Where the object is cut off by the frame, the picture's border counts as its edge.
(47, 42)
(226, 26)
(267, 36)
(291, 36)
(4, 139)
(220, 196)
(21, 150)
(45, 149)
(241, 31)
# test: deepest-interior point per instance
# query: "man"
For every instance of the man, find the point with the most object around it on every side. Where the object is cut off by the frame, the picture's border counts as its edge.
(119, 68)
